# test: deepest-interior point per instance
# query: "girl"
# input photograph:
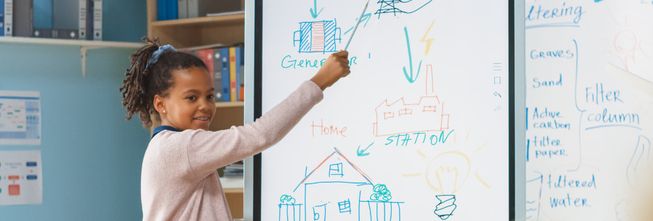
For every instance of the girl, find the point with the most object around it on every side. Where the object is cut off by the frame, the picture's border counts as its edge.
(178, 177)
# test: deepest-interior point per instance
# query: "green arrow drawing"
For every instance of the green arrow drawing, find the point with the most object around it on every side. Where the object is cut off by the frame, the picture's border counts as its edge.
(412, 77)
(363, 152)
(314, 12)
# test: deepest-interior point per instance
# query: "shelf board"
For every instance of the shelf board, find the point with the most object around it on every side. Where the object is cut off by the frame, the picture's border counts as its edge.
(206, 20)
(70, 42)
(229, 104)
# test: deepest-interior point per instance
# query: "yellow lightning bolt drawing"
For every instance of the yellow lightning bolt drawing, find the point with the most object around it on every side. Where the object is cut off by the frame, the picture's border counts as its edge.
(428, 40)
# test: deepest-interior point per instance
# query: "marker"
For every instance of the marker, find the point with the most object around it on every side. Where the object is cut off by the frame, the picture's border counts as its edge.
(357, 23)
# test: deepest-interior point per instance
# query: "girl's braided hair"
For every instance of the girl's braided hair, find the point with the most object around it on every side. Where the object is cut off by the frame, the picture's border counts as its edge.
(143, 81)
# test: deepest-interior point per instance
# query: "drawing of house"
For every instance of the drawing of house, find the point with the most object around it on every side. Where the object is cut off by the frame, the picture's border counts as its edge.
(338, 190)
(401, 116)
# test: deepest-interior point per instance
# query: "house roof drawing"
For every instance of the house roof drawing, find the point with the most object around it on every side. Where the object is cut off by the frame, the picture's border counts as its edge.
(322, 172)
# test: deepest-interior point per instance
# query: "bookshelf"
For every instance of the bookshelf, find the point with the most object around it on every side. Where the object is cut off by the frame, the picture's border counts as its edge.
(227, 29)
(222, 29)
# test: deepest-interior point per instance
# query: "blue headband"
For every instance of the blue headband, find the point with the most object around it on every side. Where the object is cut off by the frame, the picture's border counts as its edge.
(155, 56)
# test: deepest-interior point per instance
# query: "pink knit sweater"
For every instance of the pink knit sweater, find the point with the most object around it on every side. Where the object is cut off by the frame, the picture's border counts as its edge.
(179, 179)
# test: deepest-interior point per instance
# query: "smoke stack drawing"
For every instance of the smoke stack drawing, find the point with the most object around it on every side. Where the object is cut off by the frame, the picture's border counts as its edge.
(317, 36)
(425, 115)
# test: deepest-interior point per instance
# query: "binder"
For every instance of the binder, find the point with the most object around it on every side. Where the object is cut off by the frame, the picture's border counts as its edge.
(217, 74)
(22, 20)
(224, 56)
(83, 13)
(173, 9)
(9, 17)
(192, 8)
(43, 18)
(90, 23)
(65, 33)
(2, 18)
(232, 74)
(42, 32)
(183, 8)
(200, 8)
(161, 10)
(97, 19)
(66, 24)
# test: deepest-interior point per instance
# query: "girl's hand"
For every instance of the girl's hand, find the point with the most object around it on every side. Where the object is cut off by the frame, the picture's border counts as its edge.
(335, 67)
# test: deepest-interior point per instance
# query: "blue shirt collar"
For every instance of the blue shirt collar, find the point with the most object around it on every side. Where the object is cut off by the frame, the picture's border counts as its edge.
(162, 128)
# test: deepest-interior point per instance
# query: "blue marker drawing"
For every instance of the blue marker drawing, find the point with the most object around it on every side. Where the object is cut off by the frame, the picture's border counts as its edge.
(446, 206)
(363, 152)
(395, 7)
(365, 19)
(334, 190)
(381, 193)
(314, 11)
(317, 36)
(412, 77)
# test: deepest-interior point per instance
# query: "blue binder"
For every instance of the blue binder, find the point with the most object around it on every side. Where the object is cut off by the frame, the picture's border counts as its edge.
(161, 10)
(2, 18)
(224, 55)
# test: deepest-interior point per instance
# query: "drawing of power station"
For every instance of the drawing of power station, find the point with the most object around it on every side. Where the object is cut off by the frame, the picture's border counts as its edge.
(400, 116)
(338, 190)
(317, 36)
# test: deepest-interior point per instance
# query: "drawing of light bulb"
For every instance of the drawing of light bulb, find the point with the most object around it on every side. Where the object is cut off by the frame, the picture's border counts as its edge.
(446, 175)
(447, 172)
(625, 44)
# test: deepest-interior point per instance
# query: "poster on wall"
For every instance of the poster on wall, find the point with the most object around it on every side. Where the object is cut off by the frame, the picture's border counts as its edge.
(20, 117)
(21, 180)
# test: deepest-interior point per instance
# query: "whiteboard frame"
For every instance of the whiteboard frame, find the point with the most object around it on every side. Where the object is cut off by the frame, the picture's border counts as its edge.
(253, 107)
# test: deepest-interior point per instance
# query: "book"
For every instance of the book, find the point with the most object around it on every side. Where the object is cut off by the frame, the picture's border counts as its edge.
(224, 58)
(206, 55)
(97, 19)
(22, 20)
(217, 74)
(232, 74)
(9, 17)
(239, 73)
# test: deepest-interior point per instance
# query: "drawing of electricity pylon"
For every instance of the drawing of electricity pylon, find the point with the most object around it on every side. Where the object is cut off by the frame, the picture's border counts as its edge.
(317, 36)
(395, 7)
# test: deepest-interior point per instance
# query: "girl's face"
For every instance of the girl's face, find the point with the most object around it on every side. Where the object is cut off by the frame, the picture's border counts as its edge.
(189, 103)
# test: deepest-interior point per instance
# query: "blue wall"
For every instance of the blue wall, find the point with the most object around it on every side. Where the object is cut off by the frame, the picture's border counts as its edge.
(91, 155)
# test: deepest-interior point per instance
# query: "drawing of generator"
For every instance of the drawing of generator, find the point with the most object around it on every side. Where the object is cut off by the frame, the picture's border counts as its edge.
(317, 36)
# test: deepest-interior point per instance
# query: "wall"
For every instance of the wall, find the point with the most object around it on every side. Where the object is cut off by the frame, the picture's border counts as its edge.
(91, 155)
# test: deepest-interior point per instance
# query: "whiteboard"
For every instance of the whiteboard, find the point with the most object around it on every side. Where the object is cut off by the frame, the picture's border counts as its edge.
(418, 131)
(589, 73)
